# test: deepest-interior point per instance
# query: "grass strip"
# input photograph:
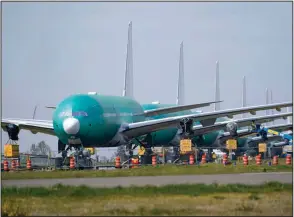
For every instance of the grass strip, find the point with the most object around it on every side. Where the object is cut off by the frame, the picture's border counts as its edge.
(195, 199)
(185, 189)
(211, 168)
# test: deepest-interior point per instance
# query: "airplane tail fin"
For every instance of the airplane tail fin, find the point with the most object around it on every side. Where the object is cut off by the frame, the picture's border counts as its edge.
(266, 102)
(217, 90)
(181, 85)
(272, 110)
(35, 110)
(244, 95)
(128, 83)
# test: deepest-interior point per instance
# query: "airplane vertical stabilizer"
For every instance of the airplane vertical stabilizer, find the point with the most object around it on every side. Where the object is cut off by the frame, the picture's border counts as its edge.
(181, 82)
(266, 102)
(272, 110)
(128, 85)
(217, 90)
(244, 95)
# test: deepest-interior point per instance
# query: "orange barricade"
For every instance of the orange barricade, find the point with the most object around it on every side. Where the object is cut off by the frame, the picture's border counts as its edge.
(5, 165)
(288, 159)
(245, 160)
(29, 164)
(191, 159)
(135, 162)
(117, 162)
(225, 159)
(203, 159)
(275, 160)
(258, 159)
(72, 163)
(13, 165)
(154, 160)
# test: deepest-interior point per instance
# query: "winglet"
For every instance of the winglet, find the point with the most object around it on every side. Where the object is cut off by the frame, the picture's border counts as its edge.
(51, 107)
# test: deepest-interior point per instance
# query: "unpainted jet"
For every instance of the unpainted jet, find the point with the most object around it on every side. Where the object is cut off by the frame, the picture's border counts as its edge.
(93, 120)
(201, 136)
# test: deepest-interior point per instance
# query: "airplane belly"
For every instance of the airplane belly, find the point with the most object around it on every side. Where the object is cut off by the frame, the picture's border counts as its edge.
(206, 140)
(164, 137)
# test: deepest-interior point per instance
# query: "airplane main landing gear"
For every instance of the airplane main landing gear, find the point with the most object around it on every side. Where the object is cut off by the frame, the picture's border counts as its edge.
(186, 125)
(13, 131)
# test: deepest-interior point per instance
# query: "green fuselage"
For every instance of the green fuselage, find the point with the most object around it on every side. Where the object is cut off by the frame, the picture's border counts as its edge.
(169, 136)
(98, 119)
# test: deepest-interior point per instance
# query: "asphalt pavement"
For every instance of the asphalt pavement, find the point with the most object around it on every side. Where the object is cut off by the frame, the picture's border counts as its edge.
(244, 178)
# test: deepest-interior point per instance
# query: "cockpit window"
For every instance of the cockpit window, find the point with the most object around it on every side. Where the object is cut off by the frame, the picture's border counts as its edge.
(74, 114)
(80, 113)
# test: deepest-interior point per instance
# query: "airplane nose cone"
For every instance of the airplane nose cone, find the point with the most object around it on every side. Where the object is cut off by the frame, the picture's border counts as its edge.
(71, 126)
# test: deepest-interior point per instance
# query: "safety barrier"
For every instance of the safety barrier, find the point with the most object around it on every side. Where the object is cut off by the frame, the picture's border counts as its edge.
(288, 159)
(72, 163)
(135, 162)
(29, 164)
(5, 165)
(154, 160)
(275, 160)
(117, 162)
(245, 160)
(225, 159)
(258, 159)
(191, 159)
(169, 157)
(13, 165)
(203, 159)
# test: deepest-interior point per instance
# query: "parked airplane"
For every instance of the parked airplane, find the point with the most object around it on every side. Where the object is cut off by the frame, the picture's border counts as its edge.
(172, 136)
(93, 120)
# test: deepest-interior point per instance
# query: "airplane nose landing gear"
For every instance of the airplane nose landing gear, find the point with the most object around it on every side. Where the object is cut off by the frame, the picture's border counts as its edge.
(82, 156)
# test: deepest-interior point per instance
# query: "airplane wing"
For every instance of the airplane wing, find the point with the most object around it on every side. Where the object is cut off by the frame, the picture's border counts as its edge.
(35, 126)
(159, 111)
(132, 130)
(260, 139)
(199, 130)
(281, 144)
(279, 127)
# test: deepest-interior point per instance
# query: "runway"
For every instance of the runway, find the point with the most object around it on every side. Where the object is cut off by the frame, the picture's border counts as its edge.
(244, 178)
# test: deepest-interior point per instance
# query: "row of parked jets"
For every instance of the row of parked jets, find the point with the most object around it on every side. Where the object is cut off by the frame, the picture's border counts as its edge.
(94, 120)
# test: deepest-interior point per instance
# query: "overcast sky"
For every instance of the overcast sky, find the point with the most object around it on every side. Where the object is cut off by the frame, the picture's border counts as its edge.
(52, 50)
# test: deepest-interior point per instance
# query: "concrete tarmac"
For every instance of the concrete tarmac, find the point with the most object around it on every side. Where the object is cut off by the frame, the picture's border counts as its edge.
(244, 178)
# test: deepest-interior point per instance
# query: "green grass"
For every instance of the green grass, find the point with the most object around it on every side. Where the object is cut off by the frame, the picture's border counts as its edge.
(186, 189)
(187, 199)
(210, 168)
